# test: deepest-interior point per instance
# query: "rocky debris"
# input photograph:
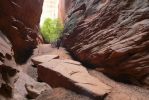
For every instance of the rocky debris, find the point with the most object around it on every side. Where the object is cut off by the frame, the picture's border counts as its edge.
(61, 73)
(112, 34)
(44, 58)
(8, 77)
(20, 83)
(19, 21)
(8, 69)
(61, 94)
(121, 91)
(46, 49)
(18, 37)
(34, 90)
(43, 49)
(17, 96)
(27, 86)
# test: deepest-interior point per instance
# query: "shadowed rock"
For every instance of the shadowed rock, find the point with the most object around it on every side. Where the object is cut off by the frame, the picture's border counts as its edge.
(18, 37)
(19, 21)
(112, 34)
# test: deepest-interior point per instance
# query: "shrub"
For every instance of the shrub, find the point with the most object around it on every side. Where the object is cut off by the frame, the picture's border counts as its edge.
(51, 30)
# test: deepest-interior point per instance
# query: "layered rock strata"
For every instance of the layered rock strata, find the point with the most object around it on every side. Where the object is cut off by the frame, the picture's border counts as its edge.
(110, 34)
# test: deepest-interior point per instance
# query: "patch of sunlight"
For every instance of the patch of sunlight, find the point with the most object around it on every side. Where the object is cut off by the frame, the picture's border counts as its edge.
(49, 10)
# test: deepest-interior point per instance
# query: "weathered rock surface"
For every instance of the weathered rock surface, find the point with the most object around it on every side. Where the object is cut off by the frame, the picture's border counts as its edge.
(63, 8)
(34, 90)
(71, 75)
(113, 34)
(44, 58)
(26, 86)
(61, 94)
(121, 91)
(7, 79)
(8, 71)
(46, 49)
(18, 36)
(20, 83)
(19, 22)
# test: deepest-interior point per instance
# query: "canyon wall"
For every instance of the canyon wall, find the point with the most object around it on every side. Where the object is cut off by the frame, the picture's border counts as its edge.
(63, 8)
(19, 21)
(111, 36)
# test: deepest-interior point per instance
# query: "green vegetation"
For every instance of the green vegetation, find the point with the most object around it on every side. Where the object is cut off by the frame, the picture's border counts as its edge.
(51, 30)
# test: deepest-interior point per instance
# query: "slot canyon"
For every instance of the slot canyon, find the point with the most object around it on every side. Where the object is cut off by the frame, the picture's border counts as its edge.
(102, 53)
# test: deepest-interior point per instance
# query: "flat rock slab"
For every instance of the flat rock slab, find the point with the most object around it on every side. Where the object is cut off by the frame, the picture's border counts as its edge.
(71, 75)
(43, 58)
(71, 62)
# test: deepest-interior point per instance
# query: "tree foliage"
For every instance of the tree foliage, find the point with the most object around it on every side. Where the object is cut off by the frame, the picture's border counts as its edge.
(51, 30)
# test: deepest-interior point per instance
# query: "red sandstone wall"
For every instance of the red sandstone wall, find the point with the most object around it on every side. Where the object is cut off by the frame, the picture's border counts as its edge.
(19, 21)
(64, 6)
(112, 34)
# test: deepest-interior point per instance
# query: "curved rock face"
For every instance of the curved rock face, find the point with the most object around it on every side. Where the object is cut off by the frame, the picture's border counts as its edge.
(112, 34)
(8, 71)
(19, 22)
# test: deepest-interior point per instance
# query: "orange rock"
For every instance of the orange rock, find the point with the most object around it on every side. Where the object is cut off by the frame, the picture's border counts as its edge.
(60, 73)
(43, 58)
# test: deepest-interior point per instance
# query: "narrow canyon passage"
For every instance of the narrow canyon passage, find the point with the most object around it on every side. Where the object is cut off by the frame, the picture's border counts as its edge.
(57, 68)
(80, 50)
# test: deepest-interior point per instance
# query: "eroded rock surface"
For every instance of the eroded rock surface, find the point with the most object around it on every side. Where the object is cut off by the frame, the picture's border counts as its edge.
(71, 75)
(121, 91)
(113, 34)
(8, 69)
(19, 21)
(44, 58)
(62, 94)
(18, 37)
(34, 90)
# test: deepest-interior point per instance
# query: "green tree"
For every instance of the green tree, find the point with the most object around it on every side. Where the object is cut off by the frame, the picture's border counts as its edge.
(51, 30)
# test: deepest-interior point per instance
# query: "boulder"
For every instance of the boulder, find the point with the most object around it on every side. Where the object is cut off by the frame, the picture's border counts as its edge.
(43, 58)
(112, 34)
(27, 86)
(60, 73)
(20, 83)
(34, 90)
